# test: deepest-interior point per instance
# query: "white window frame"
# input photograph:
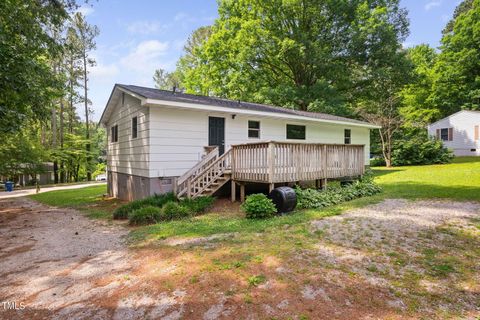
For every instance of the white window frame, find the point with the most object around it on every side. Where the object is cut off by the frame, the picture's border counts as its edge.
(254, 129)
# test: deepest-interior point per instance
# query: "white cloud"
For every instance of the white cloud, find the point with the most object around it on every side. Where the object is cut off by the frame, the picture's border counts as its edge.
(145, 27)
(180, 16)
(146, 56)
(101, 71)
(432, 4)
(85, 10)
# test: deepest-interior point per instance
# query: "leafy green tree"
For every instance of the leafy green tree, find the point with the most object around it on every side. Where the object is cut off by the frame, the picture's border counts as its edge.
(86, 35)
(417, 108)
(28, 84)
(457, 82)
(190, 61)
(166, 80)
(463, 7)
(21, 153)
(307, 54)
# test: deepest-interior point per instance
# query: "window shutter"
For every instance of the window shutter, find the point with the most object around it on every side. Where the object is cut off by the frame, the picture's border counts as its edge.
(438, 134)
(450, 134)
(476, 133)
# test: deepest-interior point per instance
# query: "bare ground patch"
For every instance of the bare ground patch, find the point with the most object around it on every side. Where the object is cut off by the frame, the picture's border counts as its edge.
(394, 260)
(425, 253)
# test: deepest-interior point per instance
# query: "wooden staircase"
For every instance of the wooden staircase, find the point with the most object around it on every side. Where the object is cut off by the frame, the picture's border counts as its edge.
(207, 177)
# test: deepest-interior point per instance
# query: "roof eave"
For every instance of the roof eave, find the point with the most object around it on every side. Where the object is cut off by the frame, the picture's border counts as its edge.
(105, 114)
(198, 106)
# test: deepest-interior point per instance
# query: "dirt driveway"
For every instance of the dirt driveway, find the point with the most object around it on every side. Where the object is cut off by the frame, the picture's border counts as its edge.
(395, 260)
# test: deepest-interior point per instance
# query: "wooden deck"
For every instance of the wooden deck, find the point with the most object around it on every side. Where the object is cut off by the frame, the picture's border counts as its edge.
(272, 162)
(276, 162)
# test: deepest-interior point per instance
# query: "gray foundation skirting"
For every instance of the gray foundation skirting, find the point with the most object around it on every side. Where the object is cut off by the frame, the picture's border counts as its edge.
(130, 187)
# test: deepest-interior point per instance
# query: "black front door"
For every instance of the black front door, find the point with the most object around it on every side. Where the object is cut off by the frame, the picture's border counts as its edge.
(216, 133)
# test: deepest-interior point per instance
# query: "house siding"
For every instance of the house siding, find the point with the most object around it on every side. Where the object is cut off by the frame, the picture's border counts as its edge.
(463, 131)
(178, 137)
(128, 159)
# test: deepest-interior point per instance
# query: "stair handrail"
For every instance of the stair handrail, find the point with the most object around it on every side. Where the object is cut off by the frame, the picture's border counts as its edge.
(209, 175)
(195, 170)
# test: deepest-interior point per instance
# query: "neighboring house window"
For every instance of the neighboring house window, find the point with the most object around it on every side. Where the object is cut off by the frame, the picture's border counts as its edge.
(253, 129)
(347, 136)
(134, 127)
(444, 134)
(296, 132)
(114, 133)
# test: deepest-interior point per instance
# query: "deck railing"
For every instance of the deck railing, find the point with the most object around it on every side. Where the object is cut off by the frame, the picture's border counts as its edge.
(196, 185)
(272, 162)
(182, 182)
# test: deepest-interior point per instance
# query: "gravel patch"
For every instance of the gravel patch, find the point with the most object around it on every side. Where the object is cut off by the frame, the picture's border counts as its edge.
(61, 265)
(426, 246)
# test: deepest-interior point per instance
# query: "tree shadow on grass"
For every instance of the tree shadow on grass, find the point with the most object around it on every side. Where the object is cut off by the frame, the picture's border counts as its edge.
(385, 171)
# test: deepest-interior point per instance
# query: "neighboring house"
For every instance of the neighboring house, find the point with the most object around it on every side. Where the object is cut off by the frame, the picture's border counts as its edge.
(46, 176)
(459, 132)
(156, 136)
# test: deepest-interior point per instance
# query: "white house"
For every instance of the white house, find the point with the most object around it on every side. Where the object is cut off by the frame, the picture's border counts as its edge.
(156, 136)
(459, 132)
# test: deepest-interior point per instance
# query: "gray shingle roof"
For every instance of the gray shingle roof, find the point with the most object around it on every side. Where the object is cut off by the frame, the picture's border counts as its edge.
(157, 94)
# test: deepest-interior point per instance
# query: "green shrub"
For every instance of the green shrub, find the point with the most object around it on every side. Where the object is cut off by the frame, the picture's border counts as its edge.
(123, 211)
(420, 150)
(316, 199)
(156, 200)
(377, 162)
(198, 205)
(145, 215)
(258, 206)
(173, 210)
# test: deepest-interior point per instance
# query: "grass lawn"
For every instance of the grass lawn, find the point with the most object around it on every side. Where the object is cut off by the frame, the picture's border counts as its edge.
(383, 266)
(88, 200)
(459, 180)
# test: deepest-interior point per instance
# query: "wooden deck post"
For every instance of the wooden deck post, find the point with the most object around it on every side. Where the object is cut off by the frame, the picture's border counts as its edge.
(242, 192)
(271, 186)
(189, 188)
(323, 184)
(234, 191)
(270, 159)
(174, 187)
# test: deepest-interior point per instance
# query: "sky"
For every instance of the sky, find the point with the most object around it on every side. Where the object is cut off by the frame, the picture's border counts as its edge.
(137, 37)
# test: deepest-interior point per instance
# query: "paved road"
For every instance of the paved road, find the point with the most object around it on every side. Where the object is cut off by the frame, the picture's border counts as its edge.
(26, 192)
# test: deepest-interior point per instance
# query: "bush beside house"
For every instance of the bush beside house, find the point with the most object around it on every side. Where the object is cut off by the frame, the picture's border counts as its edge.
(316, 199)
(159, 208)
(258, 206)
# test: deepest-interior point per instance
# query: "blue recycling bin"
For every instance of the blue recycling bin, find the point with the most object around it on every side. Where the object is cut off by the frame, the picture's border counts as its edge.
(9, 186)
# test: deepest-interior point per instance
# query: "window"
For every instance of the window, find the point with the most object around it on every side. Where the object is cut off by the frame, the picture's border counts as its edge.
(295, 132)
(114, 133)
(444, 134)
(347, 136)
(134, 127)
(253, 129)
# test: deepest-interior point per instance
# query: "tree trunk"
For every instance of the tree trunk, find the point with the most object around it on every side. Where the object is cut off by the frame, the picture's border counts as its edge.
(87, 124)
(386, 147)
(54, 143)
(71, 111)
(62, 169)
